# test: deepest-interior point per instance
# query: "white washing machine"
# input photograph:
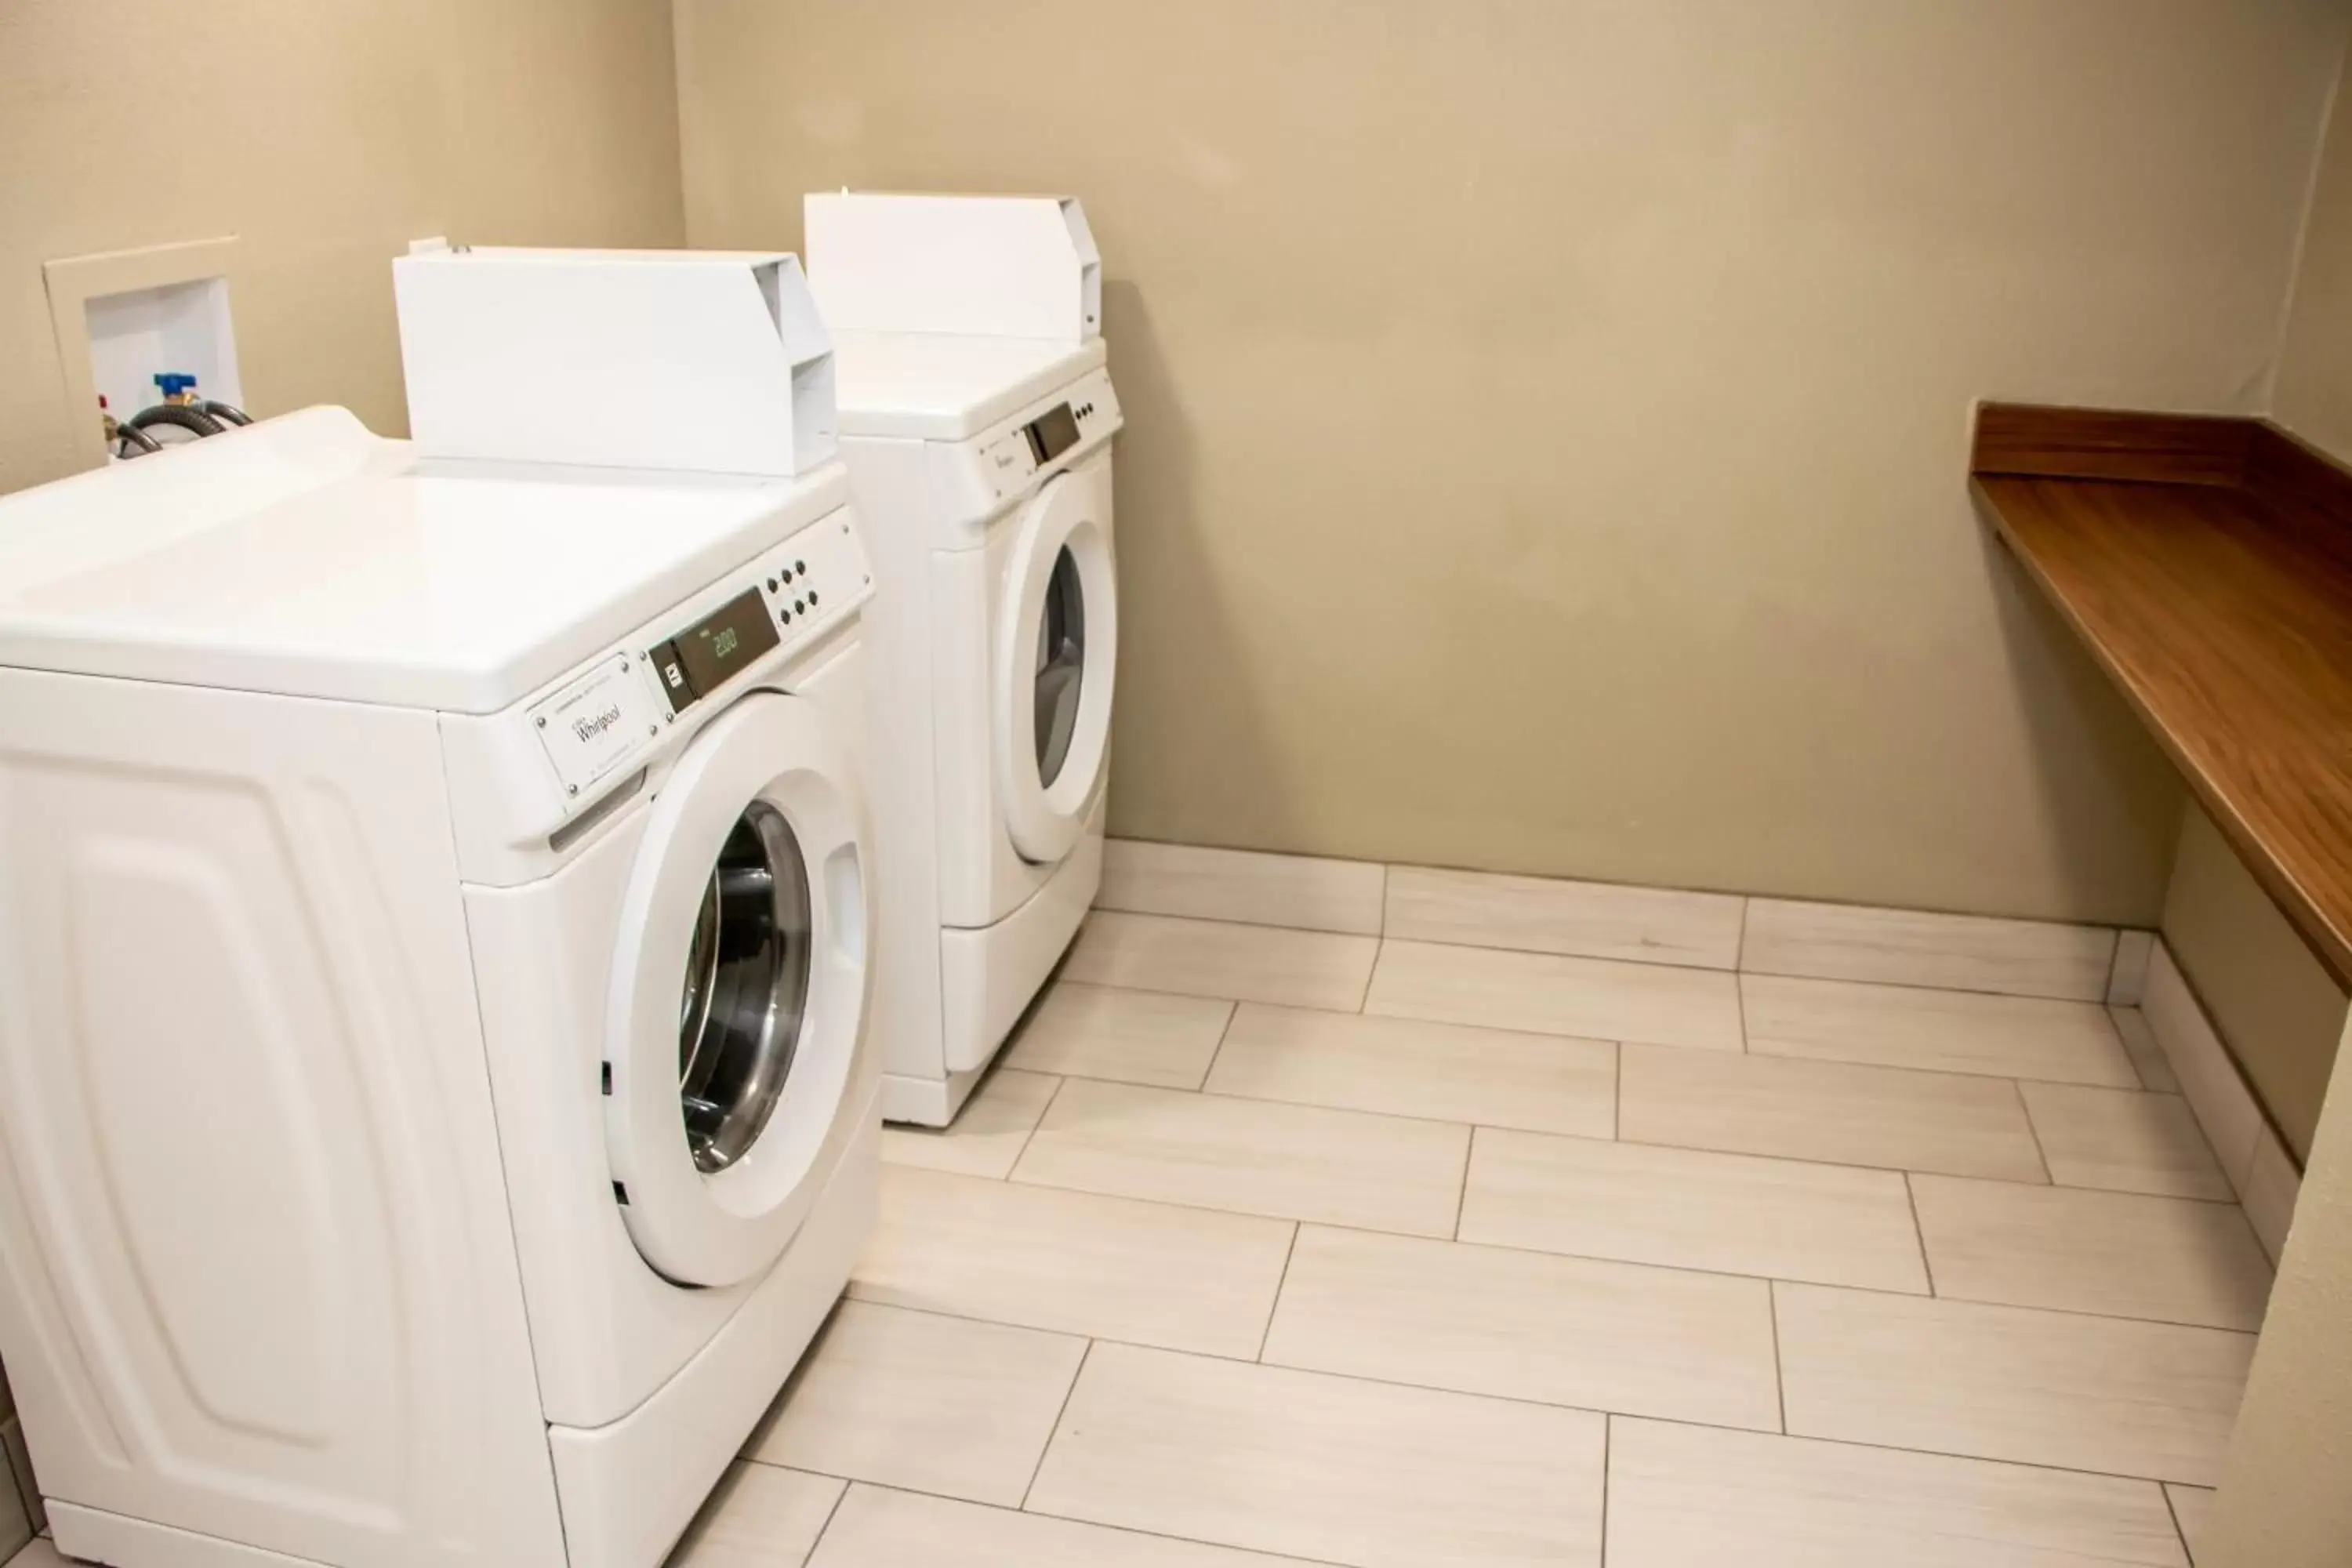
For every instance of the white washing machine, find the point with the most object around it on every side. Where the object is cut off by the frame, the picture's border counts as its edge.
(435, 1114)
(982, 468)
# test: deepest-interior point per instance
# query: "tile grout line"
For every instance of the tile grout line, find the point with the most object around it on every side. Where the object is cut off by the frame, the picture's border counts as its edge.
(1520, 1250)
(1858, 1062)
(1919, 1233)
(1898, 1449)
(1233, 1011)
(2173, 1513)
(830, 1515)
(1608, 1430)
(1054, 1431)
(2025, 1110)
(1137, 1530)
(1027, 1138)
(1616, 1093)
(1265, 1335)
(1780, 1371)
(1461, 1192)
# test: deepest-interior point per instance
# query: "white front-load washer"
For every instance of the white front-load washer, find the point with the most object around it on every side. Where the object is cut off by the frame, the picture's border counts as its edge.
(435, 1108)
(983, 469)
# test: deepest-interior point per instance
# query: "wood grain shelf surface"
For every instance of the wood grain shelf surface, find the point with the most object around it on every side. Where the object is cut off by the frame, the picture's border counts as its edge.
(2207, 562)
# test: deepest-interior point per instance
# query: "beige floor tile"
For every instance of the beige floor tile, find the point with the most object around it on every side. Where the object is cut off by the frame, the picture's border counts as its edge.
(1905, 947)
(1330, 1469)
(987, 1134)
(1290, 1162)
(42, 1553)
(1222, 959)
(2151, 1400)
(1737, 1213)
(1131, 1037)
(2272, 1187)
(1539, 914)
(758, 1517)
(1152, 1274)
(2128, 976)
(914, 1400)
(1563, 1331)
(1945, 1031)
(1545, 994)
(1409, 1067)
(2169, 1261)
(2147, 1059)
(879, 1529)
(2208, 1079)
(1829, 1112)
(1294, 891)
(1688, 1496)
(2193, 1507)
(2124, 1139)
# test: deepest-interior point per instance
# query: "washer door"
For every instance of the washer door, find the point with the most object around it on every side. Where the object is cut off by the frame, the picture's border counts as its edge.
(1058, 652)
(739, 991)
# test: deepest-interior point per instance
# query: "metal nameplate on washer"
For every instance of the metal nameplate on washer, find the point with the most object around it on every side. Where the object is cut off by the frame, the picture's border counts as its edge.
(593, 725)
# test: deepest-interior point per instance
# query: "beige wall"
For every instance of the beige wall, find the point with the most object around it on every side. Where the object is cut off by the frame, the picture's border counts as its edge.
(327, 136)
(1548, 417)
(2314, 395)
(2280, 1012)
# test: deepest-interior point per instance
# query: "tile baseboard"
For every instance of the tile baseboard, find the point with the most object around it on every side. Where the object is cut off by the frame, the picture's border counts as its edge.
(2127, 979)
(1660, 926)
(1300, 892)
(2261, 1172)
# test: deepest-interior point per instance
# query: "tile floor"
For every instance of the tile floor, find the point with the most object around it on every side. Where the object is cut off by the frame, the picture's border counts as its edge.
(1321, 1215)
(1490, 1221)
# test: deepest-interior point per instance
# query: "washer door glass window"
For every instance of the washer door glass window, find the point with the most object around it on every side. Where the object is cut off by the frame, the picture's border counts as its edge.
(1057, 646)
(1061, 666)
(745, 999)
(739, 987)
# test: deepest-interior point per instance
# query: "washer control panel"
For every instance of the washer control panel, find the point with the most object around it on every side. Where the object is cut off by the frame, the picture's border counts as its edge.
(615, 716)
(1011, 458)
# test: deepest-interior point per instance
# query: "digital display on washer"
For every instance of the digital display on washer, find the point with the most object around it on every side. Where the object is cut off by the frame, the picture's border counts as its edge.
(1052, 433)
(703, 657)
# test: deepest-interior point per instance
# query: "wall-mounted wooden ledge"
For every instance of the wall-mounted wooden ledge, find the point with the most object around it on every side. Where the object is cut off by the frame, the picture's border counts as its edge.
(2207, 562)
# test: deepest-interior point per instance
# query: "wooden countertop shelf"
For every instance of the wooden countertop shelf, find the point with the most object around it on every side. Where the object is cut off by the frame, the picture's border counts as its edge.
(2207, 562)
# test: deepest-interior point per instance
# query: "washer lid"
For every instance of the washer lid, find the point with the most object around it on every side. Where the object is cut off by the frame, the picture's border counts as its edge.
(306, 557)
(937, 387)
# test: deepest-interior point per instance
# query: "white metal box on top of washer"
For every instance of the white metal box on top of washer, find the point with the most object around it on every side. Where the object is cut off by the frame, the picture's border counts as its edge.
(983, 466)
(691, 361)
(969, 265)
(368, 879)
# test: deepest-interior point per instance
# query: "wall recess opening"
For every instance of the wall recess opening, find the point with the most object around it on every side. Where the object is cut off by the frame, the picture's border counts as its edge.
(123, 318)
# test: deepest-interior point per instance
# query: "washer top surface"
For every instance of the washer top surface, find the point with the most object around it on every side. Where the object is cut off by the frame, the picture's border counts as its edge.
(308, 557)
(937, 387)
